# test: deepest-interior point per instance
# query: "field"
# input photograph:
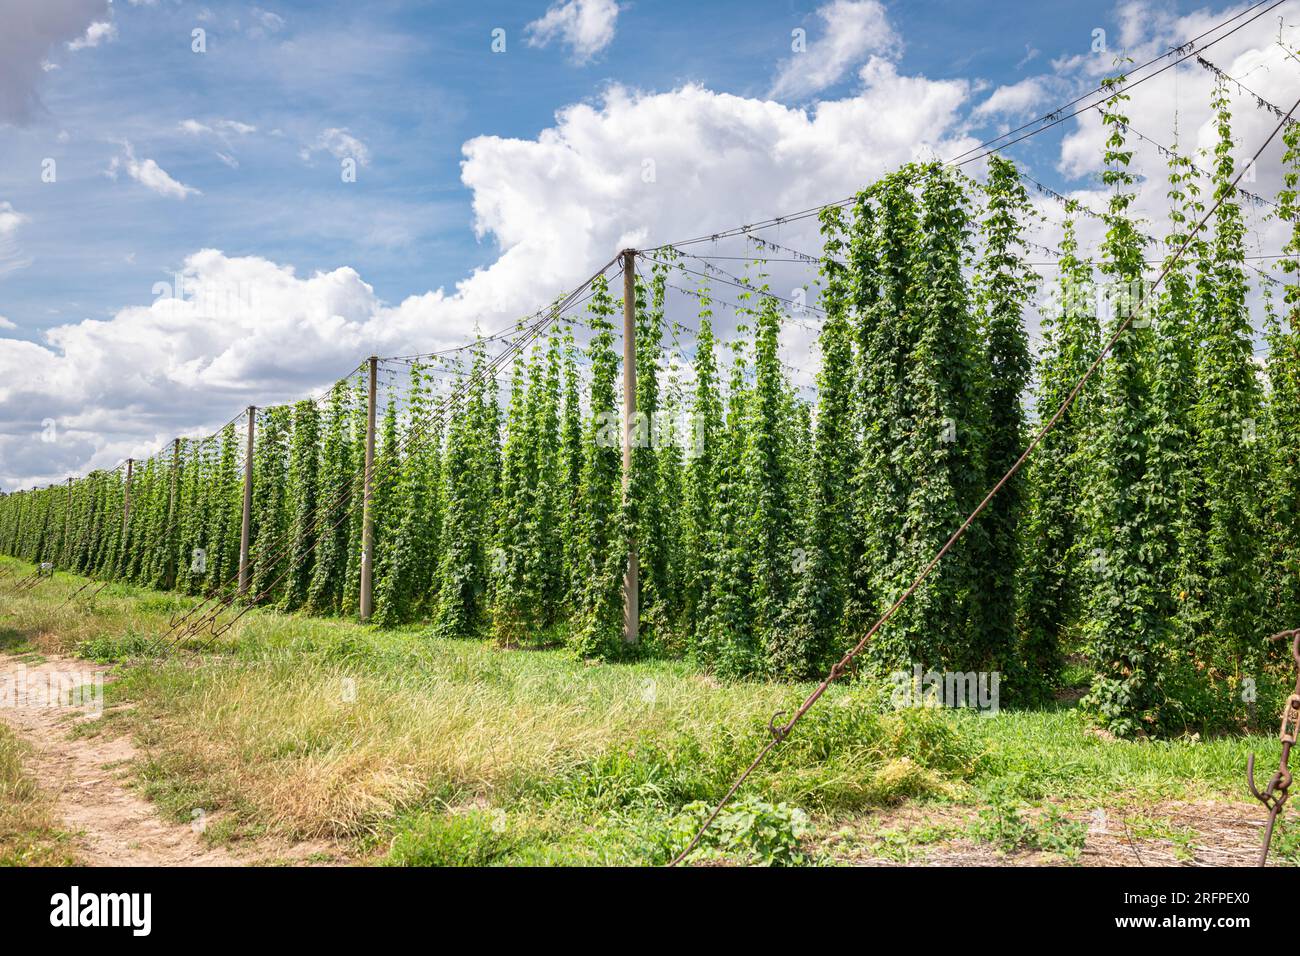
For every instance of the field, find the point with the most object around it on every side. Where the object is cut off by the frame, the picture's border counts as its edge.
(300, 740)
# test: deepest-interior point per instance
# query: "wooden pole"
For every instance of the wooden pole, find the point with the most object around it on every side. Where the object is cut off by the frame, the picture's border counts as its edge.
(67, 524)
(632, 576)
(367, 514)
(126, 498)
(171, 513)
(245, 526)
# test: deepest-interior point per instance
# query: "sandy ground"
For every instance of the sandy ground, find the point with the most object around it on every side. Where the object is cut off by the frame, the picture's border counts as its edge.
(88, 779)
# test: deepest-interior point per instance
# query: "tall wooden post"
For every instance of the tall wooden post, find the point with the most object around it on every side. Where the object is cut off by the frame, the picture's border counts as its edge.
(67, 524)
(367, 514)
(171, 513)
(632, 576)
(126, 498)
(245, 526)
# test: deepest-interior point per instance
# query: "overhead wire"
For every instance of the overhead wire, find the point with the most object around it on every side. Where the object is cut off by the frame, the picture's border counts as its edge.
(779, 734)
(208, 617)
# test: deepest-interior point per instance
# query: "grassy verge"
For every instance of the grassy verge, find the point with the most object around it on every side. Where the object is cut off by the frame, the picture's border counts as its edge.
(415, 750)
(29, 835)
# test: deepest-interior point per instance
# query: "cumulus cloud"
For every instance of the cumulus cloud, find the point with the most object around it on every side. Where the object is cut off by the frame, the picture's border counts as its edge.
(101, 31)
(1013, 100)
(631, 168)
(853, 31)
(148, 174)
(10, 220)
(29, 31)
(1179, 98)
(248, 330)
(222, 332)
(6, 324)
(579, 192)
(585, 26)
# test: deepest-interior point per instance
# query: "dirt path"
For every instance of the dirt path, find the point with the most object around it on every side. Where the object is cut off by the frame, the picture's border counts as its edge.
(86, 776)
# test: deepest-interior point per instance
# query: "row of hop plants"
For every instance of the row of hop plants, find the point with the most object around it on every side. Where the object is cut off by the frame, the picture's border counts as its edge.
(1156, 530)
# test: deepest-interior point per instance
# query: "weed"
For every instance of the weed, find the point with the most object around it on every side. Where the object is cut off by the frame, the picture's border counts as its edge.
(1057, 833)
(1001, 823)
(110, 649)
(749, 830)
(466, 838)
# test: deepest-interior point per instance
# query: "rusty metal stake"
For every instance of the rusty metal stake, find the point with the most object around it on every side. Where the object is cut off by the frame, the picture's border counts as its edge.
(1275, 794)
(70, 597)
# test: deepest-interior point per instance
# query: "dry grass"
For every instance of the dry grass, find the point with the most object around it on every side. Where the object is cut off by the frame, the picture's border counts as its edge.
(314, 729)
(331, 749)
(326, 728)
(29, 834)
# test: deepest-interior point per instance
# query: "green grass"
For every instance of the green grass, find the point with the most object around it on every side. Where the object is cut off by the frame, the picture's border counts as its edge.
(412, 749)
(1052, 754)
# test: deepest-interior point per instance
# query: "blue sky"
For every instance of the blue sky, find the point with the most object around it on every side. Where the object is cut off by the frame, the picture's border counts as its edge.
(485, 181)
(413, 82)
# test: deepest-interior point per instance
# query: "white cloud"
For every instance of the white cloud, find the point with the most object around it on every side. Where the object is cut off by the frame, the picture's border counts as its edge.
(240, 327)
(577, 193)
(10, 220)
(1179, 98)
(195, 128)
(854, 30)
(555, 206)
(7, 324)
(341, 143)
(29, 30)
(252, 331)
(585, 26)
(266, 22)
(1013, 100)
(101, 31)
(1031, 53)
(149, 174)
(11, 257)
(224, 131)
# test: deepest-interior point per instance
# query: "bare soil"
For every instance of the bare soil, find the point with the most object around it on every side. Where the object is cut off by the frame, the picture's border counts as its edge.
(88, 778)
